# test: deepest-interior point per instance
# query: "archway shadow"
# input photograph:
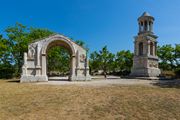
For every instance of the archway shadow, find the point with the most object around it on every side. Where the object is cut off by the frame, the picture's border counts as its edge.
(14, 81)
(167, 83)
(58, 78)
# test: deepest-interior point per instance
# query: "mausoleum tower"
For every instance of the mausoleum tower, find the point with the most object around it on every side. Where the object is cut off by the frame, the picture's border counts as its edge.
(145, 61)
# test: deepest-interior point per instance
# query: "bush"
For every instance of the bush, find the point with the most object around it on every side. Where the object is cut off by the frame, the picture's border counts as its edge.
(6, 71)
(168, 74)
(177, 72)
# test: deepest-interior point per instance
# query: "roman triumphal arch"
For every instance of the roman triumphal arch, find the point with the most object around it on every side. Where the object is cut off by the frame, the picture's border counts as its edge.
(35, 61)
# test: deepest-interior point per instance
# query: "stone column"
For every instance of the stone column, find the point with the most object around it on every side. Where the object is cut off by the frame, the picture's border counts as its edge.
(155, 51)
(38, 67)
(144, 49)
(73, 68)
(148, 27)
(38, 58)
(135, 49)
(25, 58)
(77, 59)
(87, 67)
(149, 48)
(24, 68)
(44, 65)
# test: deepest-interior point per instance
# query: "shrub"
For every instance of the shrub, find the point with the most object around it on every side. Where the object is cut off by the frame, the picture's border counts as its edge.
(6, 71)
(168, 74)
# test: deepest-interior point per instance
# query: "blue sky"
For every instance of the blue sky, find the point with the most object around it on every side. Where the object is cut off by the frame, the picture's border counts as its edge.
(97, 22)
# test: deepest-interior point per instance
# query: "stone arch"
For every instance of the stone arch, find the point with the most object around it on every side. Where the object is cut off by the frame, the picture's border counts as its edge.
(35, 68)
(63, 43)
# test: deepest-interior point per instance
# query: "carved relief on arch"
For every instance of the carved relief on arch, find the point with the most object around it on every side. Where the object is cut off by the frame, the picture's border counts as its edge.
(82, 58)
(31, 51)
(153, 64)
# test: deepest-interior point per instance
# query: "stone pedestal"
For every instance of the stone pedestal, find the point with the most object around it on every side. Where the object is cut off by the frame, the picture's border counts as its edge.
(145, 72)
(28, 79)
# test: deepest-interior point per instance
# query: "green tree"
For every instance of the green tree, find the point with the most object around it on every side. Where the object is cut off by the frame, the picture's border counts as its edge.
(104, 59)
(167, 57)
(123, 62)
(6, 67)
(38, 33)
(58, 60)
(177, 54)
(5, 54)
(80, 43)
(94, 62)
(19, 36)
(177, 60)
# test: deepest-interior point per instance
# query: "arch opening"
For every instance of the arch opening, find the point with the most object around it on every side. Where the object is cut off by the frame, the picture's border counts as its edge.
(58, 63)
(59, 60)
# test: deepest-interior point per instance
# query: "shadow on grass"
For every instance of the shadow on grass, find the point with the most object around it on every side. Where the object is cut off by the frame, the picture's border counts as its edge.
(167, 83)
(14, 81)
(58, 80)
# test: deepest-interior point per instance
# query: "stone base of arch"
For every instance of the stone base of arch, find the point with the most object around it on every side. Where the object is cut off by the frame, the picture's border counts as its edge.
(30, 79)
(80, 78)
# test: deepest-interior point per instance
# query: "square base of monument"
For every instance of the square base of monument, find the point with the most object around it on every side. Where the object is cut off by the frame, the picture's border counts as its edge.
(146, 72)
(143, 78)
(80, 78)
(30, 79)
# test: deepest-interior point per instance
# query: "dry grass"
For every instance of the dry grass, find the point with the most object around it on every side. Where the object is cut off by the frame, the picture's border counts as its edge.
(46, 102)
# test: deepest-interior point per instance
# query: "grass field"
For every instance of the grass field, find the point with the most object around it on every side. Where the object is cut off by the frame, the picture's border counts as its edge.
(48, 102)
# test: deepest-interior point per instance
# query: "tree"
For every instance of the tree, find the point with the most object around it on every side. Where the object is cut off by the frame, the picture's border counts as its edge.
(59, 60)
(38, 33)
(19, 36)
(177, 60)
(123, 62)
(104, 59)
(94, 62)
(6, 67)
(80, 43)
(177, 54)
(166, 55)
(4, 51)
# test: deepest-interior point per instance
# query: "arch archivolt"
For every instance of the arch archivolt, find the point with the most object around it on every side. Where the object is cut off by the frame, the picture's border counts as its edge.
(35, 61)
